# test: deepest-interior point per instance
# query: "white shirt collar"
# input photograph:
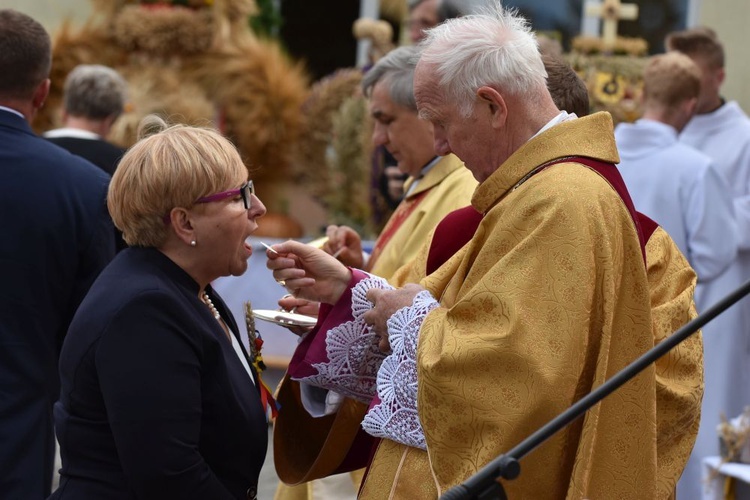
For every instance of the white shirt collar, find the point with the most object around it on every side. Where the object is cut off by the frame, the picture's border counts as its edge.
(564, 116)
(13, 111)
(70, 132)
(422, 173)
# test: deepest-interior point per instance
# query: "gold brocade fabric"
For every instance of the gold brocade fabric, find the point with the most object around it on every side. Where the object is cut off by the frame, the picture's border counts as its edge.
(679, 374)
(399, 472)
(546, 302)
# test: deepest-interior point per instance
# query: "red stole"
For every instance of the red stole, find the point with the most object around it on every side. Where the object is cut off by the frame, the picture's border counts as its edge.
(452, 232)
(458, 227)
(404, 210)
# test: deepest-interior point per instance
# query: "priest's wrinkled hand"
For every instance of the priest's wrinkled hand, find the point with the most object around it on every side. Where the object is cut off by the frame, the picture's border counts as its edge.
(345, 244)
(385, 303)
(307, 272)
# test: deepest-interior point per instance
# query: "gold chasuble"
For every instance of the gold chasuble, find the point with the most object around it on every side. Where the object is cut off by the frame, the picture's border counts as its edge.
(548, 300)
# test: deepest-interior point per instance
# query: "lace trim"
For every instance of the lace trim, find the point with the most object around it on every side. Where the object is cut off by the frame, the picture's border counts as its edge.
(395, 416)
(352, 350)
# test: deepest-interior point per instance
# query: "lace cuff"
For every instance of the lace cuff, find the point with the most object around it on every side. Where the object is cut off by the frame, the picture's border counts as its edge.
(393, 414)
(351, 349)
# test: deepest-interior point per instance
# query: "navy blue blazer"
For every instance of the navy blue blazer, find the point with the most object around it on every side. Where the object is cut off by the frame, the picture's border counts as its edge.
(99, 152)
(155, 402)
(55, 238)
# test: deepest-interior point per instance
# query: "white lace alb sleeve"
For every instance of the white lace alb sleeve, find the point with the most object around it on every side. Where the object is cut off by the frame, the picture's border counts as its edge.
(352, 350)
(395, 415)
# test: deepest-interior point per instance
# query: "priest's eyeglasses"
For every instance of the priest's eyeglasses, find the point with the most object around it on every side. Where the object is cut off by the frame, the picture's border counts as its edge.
(247, 190)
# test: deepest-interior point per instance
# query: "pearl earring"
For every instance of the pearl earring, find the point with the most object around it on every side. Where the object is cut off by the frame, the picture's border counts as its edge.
(192, 243)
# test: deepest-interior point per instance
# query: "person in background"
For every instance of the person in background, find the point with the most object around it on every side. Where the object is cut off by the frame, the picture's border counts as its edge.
(443, 363)
(159, 397)
(671, 182)
(391, 180)
(94, 98)
(568, 90)
(426, 14)
(436, 186)
(56, 238)
(720, 129)
(423, 14)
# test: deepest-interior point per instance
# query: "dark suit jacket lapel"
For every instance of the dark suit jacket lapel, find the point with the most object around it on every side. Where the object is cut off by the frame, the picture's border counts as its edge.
(232, 324)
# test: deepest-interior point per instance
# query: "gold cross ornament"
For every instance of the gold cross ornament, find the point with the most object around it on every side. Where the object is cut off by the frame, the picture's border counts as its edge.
(611, 12)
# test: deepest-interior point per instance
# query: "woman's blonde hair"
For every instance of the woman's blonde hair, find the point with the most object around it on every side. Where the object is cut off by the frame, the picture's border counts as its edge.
(170, 166)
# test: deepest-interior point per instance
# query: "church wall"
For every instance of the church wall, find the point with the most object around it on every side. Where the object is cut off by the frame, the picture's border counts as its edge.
(729, 18)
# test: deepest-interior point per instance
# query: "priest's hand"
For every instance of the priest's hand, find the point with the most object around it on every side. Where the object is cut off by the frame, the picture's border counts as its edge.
(345, 244)
(385, 303)
(292, 304)
(307, 272)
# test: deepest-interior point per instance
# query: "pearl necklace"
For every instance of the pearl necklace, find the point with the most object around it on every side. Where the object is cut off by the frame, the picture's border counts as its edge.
(207, 300)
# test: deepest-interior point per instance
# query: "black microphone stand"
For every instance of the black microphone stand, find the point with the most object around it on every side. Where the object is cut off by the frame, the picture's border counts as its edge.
(484, 485)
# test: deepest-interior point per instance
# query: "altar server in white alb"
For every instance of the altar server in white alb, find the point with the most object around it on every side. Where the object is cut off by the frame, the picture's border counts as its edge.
(721, 130)
(675, 184)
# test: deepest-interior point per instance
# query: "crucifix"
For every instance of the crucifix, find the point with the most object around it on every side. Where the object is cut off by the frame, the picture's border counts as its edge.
(611, 12)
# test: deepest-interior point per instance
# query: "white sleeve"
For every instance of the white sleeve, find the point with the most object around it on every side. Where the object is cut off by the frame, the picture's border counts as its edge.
(712, 235)
(742, 211)
(319, 402)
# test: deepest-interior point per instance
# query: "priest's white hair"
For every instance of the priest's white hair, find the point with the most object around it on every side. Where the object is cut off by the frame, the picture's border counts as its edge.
(495, 47)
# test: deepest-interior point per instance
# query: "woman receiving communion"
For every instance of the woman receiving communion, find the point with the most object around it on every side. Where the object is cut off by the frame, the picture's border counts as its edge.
(159, 398)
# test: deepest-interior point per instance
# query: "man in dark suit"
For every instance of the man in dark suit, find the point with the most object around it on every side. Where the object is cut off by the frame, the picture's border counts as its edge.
(56, 238)
(94, 99)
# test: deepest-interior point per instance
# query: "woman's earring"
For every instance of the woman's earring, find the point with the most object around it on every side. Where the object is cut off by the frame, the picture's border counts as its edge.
(192, 243)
